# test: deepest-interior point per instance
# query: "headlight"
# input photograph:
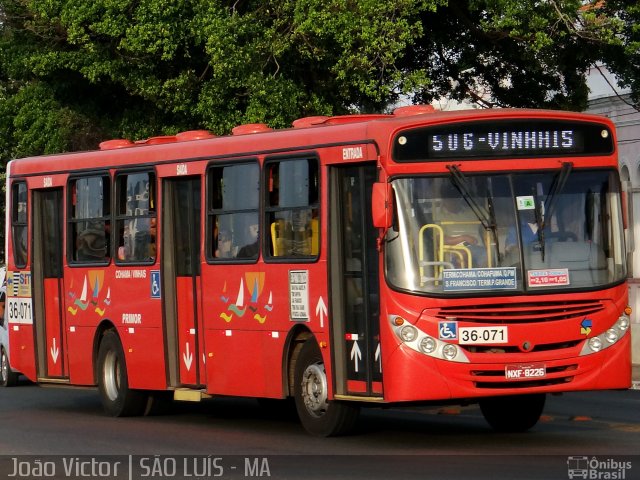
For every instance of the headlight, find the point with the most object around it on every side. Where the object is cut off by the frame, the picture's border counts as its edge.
(428, 345)
(608, 338)
(450, 351)
(595, 344)
(623, 323)
(415, 339)
(408, 333)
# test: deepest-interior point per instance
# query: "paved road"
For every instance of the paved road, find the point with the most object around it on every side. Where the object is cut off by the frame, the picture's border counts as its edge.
(431, 442)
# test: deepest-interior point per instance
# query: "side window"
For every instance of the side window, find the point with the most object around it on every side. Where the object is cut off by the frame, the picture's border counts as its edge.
(234, 199)
(19, 223)
(136, 220)
(292, 214)
(89, 224)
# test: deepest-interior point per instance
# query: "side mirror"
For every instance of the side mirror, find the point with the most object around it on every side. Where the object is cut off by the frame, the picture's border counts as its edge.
(381, 205)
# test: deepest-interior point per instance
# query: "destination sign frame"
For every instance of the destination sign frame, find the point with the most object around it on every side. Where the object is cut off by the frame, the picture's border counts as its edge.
(485, 140)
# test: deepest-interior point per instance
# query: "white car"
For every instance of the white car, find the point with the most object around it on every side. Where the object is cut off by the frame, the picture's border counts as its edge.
(8, 376)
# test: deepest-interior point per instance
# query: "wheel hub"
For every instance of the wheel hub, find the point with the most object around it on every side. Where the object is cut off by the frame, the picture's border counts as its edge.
(4, 367)
(111, 376)
(314, 389)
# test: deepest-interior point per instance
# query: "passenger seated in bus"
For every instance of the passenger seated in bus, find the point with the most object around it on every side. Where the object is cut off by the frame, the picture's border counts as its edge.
(251, 250)
(91, 243)
(225, 246)
(124, 248)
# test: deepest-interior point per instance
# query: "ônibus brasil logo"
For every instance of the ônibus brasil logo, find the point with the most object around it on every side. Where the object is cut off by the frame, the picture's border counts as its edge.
(596, 468)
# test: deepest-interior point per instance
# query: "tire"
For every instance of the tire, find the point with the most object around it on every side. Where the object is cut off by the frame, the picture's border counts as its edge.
(318, 415)
(517, 413)
(117, 398)
(7, 377)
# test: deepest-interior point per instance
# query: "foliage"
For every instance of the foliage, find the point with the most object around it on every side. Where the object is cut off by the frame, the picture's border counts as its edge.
(73, 72)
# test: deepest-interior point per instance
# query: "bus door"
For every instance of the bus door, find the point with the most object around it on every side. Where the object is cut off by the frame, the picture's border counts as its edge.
(48, 283)
(181, 280)
(354, 283)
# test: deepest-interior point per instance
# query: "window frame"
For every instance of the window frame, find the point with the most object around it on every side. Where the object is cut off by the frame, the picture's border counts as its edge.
(106, 218)
(15, 222)
(118, 218)
(268, 210)
(212, 213)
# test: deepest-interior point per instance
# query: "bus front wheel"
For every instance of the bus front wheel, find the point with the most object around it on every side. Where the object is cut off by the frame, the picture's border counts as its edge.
(319, 415)
(118, 399)
(517, 413)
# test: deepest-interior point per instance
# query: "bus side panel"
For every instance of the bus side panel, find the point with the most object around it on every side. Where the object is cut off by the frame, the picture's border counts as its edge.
(245, 363)
(144, 355)
(80, 349)
(21, 345)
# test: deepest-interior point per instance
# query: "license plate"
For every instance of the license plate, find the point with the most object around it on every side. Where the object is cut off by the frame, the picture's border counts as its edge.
(525, 372)
(480, 335)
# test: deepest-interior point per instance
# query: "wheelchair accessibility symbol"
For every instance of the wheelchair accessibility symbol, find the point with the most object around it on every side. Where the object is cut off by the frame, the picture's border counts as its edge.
(155, 283)
(448, 330)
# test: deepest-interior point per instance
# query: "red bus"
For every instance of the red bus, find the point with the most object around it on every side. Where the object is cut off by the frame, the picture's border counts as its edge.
(366, 260)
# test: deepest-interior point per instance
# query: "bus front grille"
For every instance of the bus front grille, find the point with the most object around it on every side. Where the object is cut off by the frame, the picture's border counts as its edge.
(507, 313)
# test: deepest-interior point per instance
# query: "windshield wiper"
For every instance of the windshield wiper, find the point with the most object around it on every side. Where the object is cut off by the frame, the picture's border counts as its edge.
(557, 187)
(487, 217)
(550, 202)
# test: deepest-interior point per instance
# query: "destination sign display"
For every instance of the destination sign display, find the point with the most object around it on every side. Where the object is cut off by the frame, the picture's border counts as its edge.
(498, 139)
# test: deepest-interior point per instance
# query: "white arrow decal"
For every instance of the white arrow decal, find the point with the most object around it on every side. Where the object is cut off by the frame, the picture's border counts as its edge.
(377, 356)
(188, 358)
(356, 354)
(54, 351)
(321, 310)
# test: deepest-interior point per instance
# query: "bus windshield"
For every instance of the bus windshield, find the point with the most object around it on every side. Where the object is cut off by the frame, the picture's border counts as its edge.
(506, 232)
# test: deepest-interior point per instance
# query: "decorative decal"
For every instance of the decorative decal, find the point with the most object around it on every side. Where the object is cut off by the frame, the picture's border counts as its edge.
(94, 279)
(252, 284)
(585, 326)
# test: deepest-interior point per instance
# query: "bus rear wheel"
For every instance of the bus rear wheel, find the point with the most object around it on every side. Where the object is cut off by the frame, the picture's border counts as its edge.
(7, 377)
(318, 415)
(118, 399)
(517, 413)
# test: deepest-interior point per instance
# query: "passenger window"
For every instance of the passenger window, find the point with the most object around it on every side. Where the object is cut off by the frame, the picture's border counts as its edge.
(90, 219)
(234, 200)
(19, 223)
(292, 213)
(136, 219)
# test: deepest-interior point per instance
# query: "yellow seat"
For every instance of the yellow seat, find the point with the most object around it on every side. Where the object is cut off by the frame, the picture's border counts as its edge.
(315, 236)
(277, 228)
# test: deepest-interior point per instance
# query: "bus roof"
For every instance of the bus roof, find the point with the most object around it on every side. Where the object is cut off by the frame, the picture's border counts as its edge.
(255, 139)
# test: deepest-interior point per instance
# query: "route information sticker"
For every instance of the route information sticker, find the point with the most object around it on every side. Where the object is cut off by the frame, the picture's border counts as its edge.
(463, 279)
(548, 278)
(19, 306)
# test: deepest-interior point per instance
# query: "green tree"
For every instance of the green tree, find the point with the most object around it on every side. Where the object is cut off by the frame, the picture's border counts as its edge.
(509, 53)
(74, 72)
